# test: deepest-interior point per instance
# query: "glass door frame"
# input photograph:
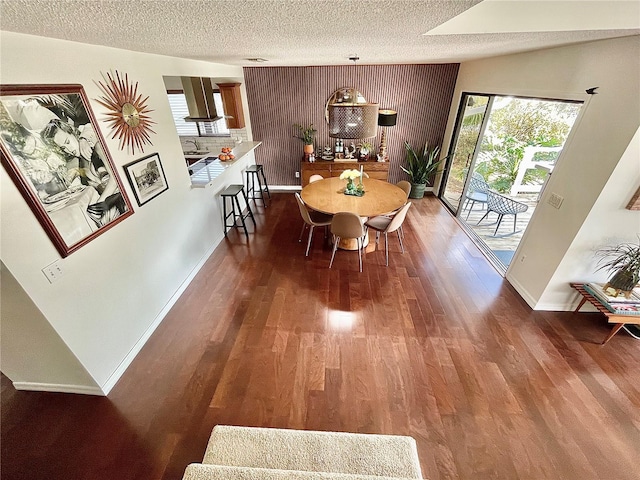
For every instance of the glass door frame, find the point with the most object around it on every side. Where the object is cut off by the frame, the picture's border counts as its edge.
(453, 144)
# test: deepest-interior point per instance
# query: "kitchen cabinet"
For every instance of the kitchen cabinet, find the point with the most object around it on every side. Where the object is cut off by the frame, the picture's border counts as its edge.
(377, 170)
(232, 104)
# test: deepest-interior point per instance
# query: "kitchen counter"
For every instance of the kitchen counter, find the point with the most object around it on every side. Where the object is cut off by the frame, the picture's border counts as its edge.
(204, 171)
(192, 158)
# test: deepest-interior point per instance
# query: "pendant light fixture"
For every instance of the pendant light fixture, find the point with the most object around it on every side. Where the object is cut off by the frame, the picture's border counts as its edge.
(349, 115)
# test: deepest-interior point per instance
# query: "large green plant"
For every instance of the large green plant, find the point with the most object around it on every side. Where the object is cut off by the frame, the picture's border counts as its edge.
(422, 164)
(623, 261)
(305, 134)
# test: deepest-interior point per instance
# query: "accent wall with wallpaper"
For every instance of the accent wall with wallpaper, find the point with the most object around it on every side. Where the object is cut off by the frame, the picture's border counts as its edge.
(280, 97)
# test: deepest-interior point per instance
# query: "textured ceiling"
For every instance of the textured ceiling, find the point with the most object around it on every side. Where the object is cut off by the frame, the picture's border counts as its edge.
(285, 32)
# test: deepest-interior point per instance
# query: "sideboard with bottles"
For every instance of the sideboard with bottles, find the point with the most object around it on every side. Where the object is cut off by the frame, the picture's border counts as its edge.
(331, 168)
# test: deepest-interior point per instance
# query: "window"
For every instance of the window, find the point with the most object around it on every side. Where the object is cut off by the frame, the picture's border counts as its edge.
(179, 109)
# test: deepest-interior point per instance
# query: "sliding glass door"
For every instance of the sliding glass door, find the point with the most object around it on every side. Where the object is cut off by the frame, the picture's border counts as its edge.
(471, 123)
(504, 149)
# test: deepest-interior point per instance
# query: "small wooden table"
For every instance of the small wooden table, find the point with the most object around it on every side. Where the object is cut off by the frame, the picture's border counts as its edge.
(617, 320)
(327, 196)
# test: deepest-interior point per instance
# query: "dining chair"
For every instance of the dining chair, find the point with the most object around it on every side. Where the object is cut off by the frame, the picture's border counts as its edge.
(312, 219)
(386, 225)
(405, 186)
(348, 225)
(315, 178)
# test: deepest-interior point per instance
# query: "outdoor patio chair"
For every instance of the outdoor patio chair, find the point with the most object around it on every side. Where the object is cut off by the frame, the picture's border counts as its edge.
(503, 205)
(476, 193)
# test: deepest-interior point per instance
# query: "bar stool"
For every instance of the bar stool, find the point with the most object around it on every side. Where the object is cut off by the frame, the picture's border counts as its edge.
(255, 173)
(231, 192)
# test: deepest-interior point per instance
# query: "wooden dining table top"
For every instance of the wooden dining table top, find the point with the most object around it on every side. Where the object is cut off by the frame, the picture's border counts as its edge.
(327, 196)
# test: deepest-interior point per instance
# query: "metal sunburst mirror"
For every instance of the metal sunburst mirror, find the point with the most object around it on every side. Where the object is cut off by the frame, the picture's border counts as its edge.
(128, 111)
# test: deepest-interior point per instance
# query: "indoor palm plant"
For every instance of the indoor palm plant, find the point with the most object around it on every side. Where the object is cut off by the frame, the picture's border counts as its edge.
(306, 134)
(421, 166)
(623, 261)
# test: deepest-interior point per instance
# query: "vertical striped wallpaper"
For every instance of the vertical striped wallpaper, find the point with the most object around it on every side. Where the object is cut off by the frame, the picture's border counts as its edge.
(279, 97)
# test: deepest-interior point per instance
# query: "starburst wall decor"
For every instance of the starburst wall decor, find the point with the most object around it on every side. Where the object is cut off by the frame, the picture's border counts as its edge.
(128, 115)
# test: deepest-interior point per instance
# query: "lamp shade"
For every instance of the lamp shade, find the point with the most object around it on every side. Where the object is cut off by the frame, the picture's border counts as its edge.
(387, 118)
(353, 121)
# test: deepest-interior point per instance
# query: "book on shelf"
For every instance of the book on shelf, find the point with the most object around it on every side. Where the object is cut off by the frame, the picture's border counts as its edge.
(597, 290)
(624, 308)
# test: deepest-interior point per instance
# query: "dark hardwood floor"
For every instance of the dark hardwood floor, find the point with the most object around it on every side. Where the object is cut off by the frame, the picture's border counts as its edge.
(437, 346)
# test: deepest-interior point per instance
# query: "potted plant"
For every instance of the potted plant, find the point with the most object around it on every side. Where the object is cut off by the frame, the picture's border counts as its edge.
(420, 167)
(623, 261)
(306, 134)
(365, 150)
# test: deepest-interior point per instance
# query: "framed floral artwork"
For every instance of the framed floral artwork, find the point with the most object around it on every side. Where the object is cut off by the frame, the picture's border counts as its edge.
(53, 151)
(147, 178)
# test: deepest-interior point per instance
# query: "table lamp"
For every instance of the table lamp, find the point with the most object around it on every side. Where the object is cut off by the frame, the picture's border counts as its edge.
(386, 118)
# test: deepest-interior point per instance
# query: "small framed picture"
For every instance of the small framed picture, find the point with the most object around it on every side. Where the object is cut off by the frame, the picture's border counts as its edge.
(53, 151)
(147, 178)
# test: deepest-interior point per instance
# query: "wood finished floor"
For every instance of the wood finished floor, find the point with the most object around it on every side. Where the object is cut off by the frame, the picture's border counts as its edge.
(437, 346)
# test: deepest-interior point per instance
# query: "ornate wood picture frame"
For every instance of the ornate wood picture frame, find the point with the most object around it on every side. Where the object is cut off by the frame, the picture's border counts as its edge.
(53, 151)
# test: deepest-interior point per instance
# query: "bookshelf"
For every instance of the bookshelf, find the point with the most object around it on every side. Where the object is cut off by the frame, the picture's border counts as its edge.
(618, 320)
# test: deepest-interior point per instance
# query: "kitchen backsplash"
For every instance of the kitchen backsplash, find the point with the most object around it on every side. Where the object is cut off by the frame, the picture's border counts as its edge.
(214, 144)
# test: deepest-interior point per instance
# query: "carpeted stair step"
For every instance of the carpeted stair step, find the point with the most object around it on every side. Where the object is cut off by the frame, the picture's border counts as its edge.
(301, 450)
(199, 471)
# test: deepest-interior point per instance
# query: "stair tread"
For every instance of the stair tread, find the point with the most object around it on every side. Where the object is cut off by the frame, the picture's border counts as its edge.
(199, 471)
(312, 451)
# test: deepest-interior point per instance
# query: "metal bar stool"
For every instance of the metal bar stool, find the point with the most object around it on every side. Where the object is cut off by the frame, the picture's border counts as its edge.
(231, 192)
(255, 173)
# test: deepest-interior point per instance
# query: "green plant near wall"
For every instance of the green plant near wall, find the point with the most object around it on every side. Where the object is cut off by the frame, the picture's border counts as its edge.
(306, 134)
(421, 164)
(623, 261)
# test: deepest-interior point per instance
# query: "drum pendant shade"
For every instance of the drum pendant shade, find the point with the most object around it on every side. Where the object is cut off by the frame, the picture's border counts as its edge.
(353, 121)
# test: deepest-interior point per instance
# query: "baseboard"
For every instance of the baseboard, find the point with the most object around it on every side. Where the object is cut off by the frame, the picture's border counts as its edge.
(119, 371)
(524, 293)
(558, 307)
(285, 188)
(58, 388)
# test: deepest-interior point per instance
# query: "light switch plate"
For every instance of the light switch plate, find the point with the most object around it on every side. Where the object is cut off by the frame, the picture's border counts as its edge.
(555, 200)
(53, 272)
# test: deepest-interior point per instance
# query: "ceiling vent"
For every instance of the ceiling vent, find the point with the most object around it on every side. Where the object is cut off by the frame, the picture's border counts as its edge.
(199, 94)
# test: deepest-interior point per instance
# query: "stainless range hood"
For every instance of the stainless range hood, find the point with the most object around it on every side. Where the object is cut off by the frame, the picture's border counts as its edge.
(199, 94)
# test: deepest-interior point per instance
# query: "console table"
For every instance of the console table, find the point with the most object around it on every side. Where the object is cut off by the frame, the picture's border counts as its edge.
(617, 320)
(331, 168)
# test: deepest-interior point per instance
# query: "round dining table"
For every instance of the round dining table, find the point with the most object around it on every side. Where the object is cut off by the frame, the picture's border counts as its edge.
(327, 196)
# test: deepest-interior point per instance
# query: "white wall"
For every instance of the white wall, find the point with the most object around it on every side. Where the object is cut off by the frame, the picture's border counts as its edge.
(608, 223)
(594, 149)
(50, 363)
(115, 289)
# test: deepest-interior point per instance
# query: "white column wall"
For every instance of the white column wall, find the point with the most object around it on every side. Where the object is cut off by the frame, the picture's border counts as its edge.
(50, 364)
(609, 223)
(116, 289)
(593, 150)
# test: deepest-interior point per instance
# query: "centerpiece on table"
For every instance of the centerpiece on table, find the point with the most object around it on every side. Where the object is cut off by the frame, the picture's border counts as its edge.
(352, 188)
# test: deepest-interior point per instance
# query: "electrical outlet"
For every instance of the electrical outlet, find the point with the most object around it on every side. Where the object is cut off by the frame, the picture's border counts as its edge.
(297, 174)
(522, 258)
(555, 200)
(53, 272)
